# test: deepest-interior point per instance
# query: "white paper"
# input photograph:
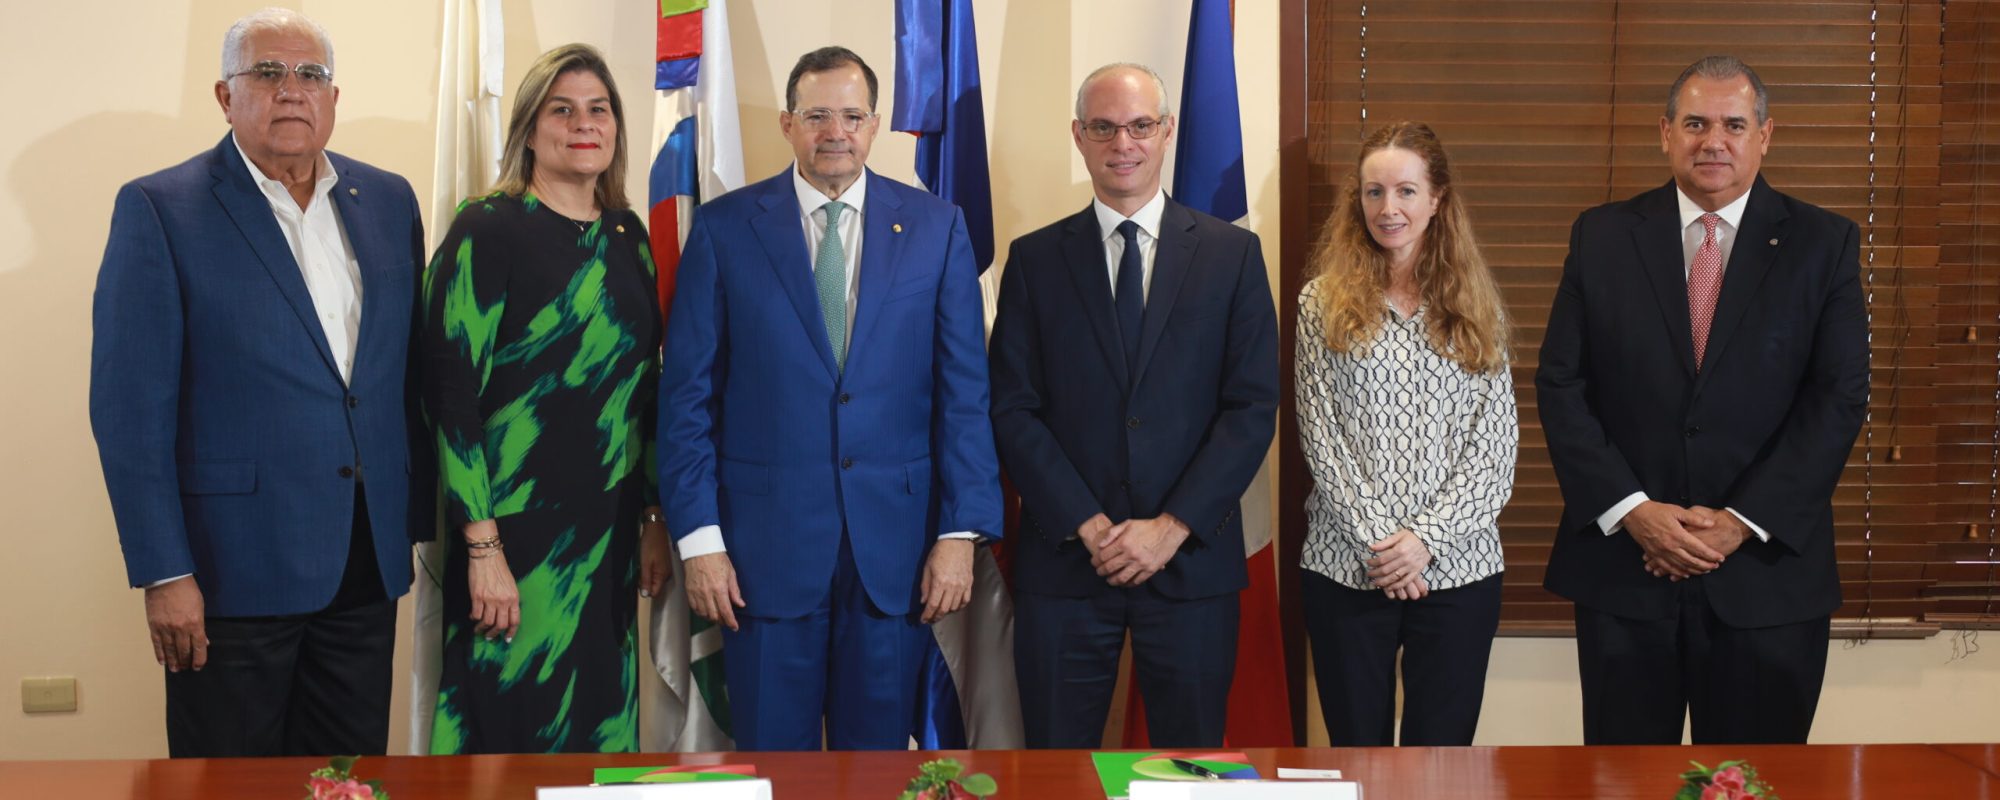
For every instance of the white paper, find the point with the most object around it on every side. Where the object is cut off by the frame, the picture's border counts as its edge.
(1294, 773)
(1245, 790)
(759, 789)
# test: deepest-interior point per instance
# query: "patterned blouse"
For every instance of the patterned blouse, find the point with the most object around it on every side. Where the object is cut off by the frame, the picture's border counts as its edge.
(1400, 437)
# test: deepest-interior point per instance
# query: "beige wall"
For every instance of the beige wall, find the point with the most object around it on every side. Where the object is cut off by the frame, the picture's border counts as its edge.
(132, 95)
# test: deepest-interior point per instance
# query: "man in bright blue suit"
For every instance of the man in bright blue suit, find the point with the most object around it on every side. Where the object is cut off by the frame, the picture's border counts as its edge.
(249, 395)
(826, 460)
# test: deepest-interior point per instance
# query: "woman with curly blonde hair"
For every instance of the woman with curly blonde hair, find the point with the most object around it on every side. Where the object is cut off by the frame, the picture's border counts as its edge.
(1406, 419)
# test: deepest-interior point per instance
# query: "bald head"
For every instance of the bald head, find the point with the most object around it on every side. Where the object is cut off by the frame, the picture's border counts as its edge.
(1135, 76)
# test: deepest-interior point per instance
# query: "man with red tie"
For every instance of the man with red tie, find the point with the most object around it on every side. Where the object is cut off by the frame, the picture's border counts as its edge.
(1702, 379)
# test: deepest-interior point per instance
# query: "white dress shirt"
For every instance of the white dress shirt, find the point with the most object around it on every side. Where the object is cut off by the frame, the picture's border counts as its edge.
(1692, 234)
(707, 539)
(1148, 220)
(325, 258)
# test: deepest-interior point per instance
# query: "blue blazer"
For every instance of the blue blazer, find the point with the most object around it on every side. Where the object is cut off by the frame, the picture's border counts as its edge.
(230, 445)
(761, 434)
(1183, 434)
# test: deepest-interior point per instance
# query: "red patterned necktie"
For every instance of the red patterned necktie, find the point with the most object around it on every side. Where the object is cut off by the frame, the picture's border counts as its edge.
(1704, 283)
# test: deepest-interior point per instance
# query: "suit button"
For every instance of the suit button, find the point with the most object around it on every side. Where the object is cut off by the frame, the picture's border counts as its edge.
(847, 463)
(353, 401)
(1124, 484)
(347, 472)
(1132, 422)
(844, 397)
(1692, 430)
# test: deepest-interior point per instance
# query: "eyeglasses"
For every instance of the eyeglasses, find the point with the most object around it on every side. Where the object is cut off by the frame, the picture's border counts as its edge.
(1098, 130)
(820, 119)
(271, 75)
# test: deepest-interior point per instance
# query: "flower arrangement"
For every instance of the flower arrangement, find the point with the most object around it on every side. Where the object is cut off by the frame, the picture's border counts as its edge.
(939, 780)
(336, 781)
(1729, 780)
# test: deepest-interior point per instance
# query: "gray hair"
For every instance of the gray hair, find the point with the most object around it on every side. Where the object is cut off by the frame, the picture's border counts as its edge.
(1114, 67)
(269, 20)
(1720, 68)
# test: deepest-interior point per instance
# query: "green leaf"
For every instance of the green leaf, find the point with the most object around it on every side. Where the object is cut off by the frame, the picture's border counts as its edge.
(979, 784)
(945, 768)
(342, 764)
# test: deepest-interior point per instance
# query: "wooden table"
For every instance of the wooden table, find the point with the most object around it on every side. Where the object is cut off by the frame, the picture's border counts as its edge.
(1814, 772)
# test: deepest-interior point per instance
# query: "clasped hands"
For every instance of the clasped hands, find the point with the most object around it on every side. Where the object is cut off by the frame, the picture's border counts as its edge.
(1683, 542)
(1130, 552)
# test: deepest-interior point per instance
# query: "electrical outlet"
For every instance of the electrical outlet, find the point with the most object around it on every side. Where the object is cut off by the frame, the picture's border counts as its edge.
(45, 695)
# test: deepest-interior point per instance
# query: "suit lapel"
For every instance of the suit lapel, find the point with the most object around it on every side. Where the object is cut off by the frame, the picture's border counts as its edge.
(350, 196)
(881, 251)
(251, 211)
(1762, 228)
(1658, 239)
(1083, 249)
(1172, 259)
(784, 240)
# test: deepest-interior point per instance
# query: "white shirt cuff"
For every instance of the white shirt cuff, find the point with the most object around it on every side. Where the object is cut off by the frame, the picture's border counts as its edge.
(1761, 535)
(704, 541)
(165, 581)
(1613, 521)
(976, 538)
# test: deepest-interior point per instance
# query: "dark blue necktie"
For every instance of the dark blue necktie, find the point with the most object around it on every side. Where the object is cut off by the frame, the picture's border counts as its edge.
(1131, 293)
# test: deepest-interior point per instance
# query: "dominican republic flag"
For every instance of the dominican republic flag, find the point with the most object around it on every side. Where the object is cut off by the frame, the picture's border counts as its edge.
(967, 694)
(1208, 177)
(699, 155)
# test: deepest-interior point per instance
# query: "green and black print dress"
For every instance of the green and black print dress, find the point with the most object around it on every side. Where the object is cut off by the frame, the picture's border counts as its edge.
(541, 353)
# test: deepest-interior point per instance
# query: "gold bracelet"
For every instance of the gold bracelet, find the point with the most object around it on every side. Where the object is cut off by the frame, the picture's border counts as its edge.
(483, 544)
(485, 552)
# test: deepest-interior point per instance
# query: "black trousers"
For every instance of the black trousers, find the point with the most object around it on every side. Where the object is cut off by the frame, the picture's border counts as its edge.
(1642, 678)
(296, 685)
(1066, 653)
(1446, 639)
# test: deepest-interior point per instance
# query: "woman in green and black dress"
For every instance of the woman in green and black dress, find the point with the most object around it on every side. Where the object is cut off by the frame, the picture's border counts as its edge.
(541, 351)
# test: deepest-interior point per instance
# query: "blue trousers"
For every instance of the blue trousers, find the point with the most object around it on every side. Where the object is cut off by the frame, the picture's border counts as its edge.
(846, 663)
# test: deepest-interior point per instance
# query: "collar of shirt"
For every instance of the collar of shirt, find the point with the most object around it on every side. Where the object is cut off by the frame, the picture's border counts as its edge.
(811, 198)
(275, 191)
(1732, 214)
(1148, 217)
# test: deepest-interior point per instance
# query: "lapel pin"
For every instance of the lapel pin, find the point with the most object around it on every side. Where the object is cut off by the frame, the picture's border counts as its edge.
(621, 229)
(898, 227)
(1774, 241)
(353, 192)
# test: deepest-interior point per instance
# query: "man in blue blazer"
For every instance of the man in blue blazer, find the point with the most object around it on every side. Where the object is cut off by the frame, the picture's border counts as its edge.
(826, 461)
(1135, 392)
(249, 395)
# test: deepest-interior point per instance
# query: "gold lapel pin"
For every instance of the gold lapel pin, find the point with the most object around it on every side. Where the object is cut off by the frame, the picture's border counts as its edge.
(353, 192)
(621, 229)
(898, 227)
(1774, 241)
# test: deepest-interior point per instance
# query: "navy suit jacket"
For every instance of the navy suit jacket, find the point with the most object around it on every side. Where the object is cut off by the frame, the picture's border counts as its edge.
(762, 434)
(230, 444)
(1184, 434)
(1764, 427)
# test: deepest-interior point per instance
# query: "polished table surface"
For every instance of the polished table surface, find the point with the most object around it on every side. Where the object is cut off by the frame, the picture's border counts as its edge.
(1798, 772)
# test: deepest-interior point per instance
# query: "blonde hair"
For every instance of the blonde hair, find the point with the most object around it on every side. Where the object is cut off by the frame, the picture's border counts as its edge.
(1463, 315)
(517, 162)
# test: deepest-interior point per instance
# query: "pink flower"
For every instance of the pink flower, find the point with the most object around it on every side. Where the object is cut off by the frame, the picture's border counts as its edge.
(1731, 778)
(330, 789)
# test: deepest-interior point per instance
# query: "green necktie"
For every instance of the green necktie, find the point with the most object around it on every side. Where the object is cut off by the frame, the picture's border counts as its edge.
(830, 277)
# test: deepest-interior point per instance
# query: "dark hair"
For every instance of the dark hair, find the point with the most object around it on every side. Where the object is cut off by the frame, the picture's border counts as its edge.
(827, 59)
(1720, 68)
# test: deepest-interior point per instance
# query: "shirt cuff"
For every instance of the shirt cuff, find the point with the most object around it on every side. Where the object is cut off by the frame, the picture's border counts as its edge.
(1761, 535)
(165, 581)
(704, 541)
(1613, 521)
(975, 537)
